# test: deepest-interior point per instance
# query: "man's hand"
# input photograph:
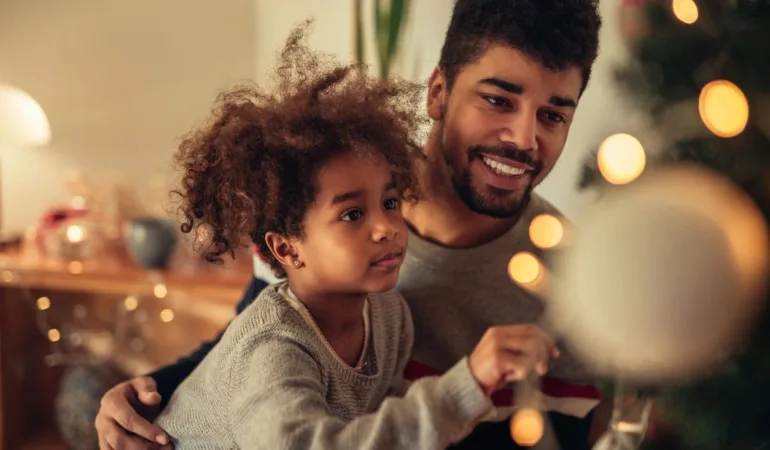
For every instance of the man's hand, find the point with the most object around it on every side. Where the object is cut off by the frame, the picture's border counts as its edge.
(510, 353)
(125, 416)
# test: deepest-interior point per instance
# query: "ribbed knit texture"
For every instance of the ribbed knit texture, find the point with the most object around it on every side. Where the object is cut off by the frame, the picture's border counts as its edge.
(273, 383)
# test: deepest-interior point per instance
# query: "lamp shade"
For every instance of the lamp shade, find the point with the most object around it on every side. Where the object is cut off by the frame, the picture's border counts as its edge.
(22, 121)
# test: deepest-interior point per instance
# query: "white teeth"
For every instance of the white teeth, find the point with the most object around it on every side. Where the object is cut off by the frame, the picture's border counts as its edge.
(502, 169)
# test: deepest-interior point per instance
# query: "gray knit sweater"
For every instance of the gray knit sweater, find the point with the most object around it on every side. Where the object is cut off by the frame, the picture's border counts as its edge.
(273, 382)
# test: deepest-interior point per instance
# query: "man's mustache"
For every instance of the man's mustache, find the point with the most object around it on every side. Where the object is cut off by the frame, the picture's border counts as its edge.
(520, 156)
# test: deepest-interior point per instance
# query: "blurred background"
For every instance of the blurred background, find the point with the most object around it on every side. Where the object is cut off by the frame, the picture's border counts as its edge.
(96, 283)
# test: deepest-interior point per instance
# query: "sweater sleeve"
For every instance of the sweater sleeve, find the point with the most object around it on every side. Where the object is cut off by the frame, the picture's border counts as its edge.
(400, 385)
(280, 403)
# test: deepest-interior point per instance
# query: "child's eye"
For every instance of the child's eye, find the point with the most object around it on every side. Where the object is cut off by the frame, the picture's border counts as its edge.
(352, 215)
(391, 203)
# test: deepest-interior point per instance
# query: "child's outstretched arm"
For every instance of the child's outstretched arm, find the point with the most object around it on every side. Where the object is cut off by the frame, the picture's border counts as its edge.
(282, 404)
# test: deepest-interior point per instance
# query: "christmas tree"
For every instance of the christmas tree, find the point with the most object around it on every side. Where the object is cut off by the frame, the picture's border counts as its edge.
(701, 69)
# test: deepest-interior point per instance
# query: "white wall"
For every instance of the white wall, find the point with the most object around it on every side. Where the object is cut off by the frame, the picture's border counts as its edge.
(120, 81)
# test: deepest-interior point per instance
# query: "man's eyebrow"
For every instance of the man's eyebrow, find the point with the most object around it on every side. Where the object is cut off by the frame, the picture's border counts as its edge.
(513, 88)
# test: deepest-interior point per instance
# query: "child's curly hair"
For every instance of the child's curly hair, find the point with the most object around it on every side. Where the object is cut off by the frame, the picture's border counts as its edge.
(253, 168)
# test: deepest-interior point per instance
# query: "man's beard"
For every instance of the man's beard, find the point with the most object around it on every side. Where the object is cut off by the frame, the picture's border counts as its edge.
(483, 204)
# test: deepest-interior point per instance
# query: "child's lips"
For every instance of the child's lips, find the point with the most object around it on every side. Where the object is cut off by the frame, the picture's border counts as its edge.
(390, 260)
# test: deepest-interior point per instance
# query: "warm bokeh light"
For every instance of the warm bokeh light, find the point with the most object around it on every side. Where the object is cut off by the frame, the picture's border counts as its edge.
(22, 120)
(524, 268)
(723, 108)
(160, 290)
(167, 315)
(54, 335)
(43, 303)
(621, 158)
(527, 427)
(7, 276)
(75, 267)
(131, 303)
(685, 10)
(546, 231)
(76, 233)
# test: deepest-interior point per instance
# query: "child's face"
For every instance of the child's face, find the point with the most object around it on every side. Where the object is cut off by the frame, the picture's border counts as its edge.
(354, 235)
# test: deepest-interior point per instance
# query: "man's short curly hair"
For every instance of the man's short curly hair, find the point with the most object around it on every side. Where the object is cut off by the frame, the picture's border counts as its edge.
(557, 33)
(253, 168)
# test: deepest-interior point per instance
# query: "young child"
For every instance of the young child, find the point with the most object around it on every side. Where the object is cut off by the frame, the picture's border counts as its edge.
(313, 173)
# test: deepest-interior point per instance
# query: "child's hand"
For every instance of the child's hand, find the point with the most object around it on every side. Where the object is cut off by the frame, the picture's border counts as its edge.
(510, 353)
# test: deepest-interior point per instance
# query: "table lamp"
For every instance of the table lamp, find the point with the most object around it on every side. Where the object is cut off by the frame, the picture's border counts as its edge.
(23, 124)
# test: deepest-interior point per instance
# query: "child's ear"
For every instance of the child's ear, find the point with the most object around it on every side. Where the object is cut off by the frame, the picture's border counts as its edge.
(436, 94)
(282, 248)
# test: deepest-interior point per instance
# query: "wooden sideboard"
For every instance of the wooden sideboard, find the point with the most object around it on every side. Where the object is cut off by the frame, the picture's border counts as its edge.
(202, 299)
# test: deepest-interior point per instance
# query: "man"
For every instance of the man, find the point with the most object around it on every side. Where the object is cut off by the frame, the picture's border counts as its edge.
(502, 100)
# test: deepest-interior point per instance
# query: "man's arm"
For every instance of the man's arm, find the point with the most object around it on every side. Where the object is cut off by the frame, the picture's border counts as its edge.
(127, 410)
(168, 378)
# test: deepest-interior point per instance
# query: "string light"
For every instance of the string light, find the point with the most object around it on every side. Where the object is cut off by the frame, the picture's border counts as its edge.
(524, 268)
(685, 10)
(723, 108)
(167, 315)
(546, 231)
(75, 267)
(43, 303)
(54, 335)
(131, 303)
(527, 427)
(621, 158)
(76, 233)
(160, 290)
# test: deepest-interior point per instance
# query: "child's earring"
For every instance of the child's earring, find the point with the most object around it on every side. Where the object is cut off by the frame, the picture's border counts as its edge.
(297, 264)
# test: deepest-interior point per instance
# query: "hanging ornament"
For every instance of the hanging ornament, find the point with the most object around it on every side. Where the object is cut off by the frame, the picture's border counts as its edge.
(723, 108)
(665, 278)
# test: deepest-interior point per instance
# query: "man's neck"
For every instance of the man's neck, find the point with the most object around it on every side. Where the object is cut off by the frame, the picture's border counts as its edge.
(447, 222)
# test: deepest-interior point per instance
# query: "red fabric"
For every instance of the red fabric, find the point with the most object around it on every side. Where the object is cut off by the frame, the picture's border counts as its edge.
(505, 397)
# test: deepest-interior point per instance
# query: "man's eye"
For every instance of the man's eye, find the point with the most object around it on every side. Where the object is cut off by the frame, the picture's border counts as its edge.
(496, 101)
(555, 117)
(352, 215)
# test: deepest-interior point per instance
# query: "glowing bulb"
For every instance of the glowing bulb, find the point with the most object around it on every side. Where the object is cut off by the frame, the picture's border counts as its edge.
(723, 108)
(43, 303)
(167, 315)
(7, 276)
(75, 267)
(685, 10)
(76, 233)
(131, 303)
(54, 335)
(524, 268)
(546, 231)
(160, 290)
(621, 158)
(527, 427)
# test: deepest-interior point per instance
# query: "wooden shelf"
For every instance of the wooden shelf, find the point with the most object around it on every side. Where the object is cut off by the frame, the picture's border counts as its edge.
(121, 277)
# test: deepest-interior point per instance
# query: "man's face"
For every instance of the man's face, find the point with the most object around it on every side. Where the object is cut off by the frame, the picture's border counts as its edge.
(502, 127)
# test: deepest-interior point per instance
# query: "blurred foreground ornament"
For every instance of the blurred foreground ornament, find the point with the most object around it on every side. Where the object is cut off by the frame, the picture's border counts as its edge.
(723, 108)
(629, 420)
(665, 278)
(621, 158)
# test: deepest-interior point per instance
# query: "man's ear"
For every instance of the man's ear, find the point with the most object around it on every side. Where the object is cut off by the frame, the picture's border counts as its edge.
(282, 248)
(437, 90)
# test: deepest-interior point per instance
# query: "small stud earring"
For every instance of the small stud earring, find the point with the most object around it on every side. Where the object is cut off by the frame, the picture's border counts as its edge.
(297, 263)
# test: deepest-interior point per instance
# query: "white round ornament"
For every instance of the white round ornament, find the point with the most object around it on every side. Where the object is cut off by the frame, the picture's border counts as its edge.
(664, 277)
